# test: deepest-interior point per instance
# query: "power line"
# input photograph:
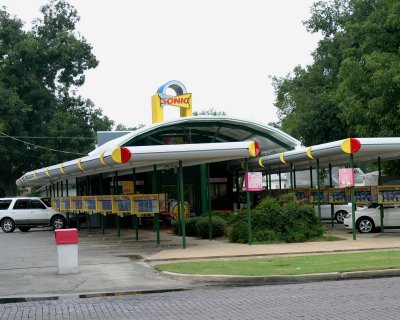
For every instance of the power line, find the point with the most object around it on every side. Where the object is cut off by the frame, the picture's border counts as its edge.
(41, 147)
(27, 137)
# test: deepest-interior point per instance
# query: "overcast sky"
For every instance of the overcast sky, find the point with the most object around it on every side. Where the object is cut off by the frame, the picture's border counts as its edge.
(222, 50)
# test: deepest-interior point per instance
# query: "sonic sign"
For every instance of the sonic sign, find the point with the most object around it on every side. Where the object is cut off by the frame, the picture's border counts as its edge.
(181, 99)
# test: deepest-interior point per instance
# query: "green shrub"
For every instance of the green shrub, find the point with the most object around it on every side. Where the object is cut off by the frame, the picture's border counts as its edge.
(218, 227)
(228, 216)
(190, 225)
(266, 236)
(274, 221)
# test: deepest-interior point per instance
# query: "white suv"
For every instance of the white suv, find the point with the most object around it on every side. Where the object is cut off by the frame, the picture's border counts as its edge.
(27, 212)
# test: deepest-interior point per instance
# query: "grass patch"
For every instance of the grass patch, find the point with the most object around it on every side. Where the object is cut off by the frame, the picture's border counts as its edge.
(359, 261)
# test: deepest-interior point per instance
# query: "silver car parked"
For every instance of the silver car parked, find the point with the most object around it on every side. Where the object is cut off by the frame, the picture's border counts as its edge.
(27, 212)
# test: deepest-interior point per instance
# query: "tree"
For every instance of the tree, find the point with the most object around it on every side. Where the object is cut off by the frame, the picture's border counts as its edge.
(353, 86)
(209, 112)
(121, 127)
(40, 71)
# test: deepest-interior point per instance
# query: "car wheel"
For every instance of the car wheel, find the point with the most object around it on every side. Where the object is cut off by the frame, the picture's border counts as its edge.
(24, 229)
(339, 216)
(365, 225)
(8, 225)
(58, 222)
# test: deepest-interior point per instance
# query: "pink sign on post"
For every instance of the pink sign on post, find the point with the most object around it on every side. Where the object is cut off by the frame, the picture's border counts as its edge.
(346, 177)
(253, 181)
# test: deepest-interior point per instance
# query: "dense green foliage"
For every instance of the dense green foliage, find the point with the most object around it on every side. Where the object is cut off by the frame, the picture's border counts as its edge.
(199, 227)
(218, 227)
(40, 71)
(273, 221)
(353, 86)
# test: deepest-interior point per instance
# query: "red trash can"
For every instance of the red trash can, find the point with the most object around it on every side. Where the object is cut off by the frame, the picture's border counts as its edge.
(67, 250)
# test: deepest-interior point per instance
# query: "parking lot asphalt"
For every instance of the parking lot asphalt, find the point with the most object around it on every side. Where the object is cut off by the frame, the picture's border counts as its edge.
(108, 264)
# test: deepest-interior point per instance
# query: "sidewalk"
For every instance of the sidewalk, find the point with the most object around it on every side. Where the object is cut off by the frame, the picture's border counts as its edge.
(205, 249)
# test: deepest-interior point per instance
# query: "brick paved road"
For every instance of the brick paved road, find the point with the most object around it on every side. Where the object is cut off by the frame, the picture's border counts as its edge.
(358, 299)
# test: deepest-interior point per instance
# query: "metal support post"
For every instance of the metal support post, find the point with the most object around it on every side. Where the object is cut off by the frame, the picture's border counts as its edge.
(294, 177)
(311, 178)
(280, 179)
(353, 211)
(381, 208)
(269, 183)
(156, 220)
(178, 197)
(115, 187)
(210, 226)
(249, 231)
(318, 191)
(135, 220)
(331, 186)
(291, 176)
(203, 188)
(182, 204)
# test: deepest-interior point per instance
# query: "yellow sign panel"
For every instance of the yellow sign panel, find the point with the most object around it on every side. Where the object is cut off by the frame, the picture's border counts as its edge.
(65, 204)
(182, 101)
(121, 204)
(127, 187)
(389, 194)
(55, 203)
(76, 204)
(145, 204)
(89, 204)
(104, 203)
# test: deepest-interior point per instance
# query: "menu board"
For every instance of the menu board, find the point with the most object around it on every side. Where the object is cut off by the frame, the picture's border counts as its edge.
(55, 203)
(89, 204)
(121, 204)
(337, 195)
(143, 204)
(362, 195)
(65, 203)
(302, 195)
(76, 204)
(104, 203)
(389, 194)
(323, 194)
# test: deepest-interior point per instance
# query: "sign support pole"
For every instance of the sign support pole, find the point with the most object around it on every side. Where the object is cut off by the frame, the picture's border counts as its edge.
(78, 226)
(249, 232)
(178, 196)
(66, 192)
(381, 209)
(311, 178)
(331, 186)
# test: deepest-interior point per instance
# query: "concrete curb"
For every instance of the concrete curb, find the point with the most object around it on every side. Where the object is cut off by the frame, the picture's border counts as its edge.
(277, 279)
